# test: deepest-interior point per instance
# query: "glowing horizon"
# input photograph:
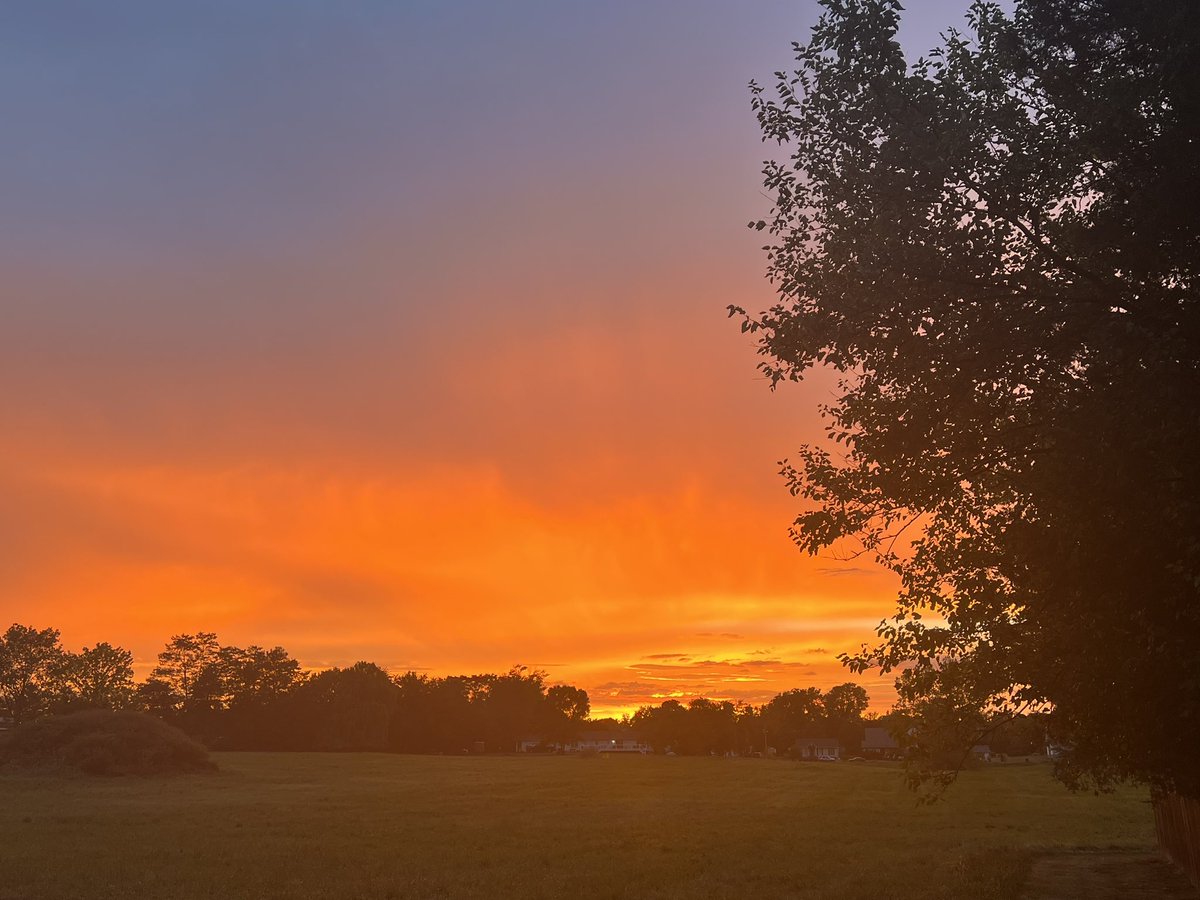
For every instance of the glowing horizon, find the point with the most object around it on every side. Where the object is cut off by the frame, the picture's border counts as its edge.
(401, 336)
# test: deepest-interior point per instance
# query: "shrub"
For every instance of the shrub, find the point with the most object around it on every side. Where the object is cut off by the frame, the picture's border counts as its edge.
(100, 742)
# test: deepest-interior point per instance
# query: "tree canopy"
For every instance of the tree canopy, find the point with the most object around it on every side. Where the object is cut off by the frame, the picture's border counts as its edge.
(30, 663)
(997, 249)
(253, 698)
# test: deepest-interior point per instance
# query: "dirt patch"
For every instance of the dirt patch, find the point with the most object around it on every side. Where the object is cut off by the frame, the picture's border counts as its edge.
(1107, 876)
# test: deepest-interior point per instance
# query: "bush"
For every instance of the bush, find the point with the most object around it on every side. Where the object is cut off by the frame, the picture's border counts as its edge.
(100, 742)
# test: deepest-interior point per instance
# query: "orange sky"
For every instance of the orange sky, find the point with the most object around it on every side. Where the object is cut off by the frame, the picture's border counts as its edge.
(594, 499)
(403, 339)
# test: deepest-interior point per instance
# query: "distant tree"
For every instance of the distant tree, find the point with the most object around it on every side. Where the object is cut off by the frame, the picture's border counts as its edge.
(1018, 736)
(255, 676)
(411, 728)
(454, 724)
(701, 727)
(844, 705)
(512, 705)
(749, 729)
(345, 709)
(189, 667)
(845, 702)
(710, 727)
(566, 709)
(157, 698)
(98, 678)
(663, 727)
(998, 249)
(791, 715)
(256, 685)
(433, 715)
(30, 671)
(572, 702)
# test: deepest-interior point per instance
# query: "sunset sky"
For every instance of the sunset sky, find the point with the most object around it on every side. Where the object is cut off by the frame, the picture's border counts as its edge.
(397, 332)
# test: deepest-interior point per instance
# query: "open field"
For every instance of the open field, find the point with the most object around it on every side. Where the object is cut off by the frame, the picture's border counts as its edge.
(382, 826)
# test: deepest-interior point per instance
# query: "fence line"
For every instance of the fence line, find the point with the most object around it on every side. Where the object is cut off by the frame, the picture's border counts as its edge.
(1177, 821)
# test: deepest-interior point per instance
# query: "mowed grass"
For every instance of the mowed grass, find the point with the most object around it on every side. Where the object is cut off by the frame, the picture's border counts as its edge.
(383, 826)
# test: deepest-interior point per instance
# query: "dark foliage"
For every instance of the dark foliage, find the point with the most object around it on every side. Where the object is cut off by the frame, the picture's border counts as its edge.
(998, 250)
(257, 699)
(30, 663)
(229, 698)
(103, 742)
(718, 727)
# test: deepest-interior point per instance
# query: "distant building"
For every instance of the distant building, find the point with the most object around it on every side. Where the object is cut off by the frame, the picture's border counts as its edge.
(817, 748)
(982, 752)
(878, 743)
(593, 741)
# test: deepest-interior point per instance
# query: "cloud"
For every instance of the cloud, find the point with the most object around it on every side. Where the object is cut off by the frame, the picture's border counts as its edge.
(744, 677)
(846, 571)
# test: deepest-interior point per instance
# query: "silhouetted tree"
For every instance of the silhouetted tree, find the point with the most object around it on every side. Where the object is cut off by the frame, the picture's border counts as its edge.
(566, 710)
(750, 738)
(512, 705)
(256, 685)
(255, 676)
(433, 715)
(998, 249)
(663, 727)
(702, 727)
(30, 671)
(344, 709)
(791, 715)
(157, 698)
(845, 702)
(710, 727)
(572, 702)
(1018, 735)
(257, 698)
(189, 669)
(844, 705)
(98, 678)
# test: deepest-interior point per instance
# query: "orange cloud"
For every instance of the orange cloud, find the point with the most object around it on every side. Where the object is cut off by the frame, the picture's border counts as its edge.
(579, 491)
(449, 571)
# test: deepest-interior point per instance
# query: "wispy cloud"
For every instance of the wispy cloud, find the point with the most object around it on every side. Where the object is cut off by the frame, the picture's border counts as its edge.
(844, 571)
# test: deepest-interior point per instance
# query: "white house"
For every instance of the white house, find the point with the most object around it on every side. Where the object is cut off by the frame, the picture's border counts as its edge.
(595, 741)
(606, 741)
(818, 748)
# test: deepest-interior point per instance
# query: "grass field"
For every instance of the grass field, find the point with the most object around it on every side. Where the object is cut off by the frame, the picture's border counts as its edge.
(380, 826)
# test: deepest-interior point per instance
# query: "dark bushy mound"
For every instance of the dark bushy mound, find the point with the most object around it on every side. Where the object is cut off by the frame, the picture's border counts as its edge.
(100, 742)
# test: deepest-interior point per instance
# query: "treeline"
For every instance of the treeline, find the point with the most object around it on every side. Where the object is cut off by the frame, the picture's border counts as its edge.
(709, 726)
(254, 698)
(786, 722)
